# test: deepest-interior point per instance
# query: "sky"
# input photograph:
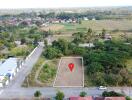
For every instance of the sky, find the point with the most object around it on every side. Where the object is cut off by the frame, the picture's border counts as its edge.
(62, 3)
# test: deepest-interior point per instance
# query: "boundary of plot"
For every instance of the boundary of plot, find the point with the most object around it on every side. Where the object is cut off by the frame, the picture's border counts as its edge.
(59, 69)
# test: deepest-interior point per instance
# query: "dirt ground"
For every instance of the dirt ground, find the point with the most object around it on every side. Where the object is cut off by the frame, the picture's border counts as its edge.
(66, 78)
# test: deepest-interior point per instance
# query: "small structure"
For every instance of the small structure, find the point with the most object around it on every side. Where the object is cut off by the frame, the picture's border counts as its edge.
(8, 70)
(107, 36)
(88, 45)
(85, 18)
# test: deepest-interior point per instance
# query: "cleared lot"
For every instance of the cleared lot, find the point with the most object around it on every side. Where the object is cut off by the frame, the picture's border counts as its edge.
(66, 78)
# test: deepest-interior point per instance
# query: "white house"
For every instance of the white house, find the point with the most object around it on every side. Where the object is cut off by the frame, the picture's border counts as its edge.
(8, 70)
(88, 45)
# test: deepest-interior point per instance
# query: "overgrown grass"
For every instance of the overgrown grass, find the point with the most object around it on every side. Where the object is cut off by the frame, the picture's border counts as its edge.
(48, 73)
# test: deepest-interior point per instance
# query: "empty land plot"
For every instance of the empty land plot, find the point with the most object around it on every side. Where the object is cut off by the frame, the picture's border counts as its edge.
(66, 78)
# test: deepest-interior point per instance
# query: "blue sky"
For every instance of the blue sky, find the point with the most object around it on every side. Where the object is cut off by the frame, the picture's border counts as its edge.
(62, 3)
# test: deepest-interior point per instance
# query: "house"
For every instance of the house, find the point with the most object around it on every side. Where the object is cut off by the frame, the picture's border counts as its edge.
(107, 36)
(88, 45)
(85, 18)
(81, 98)
(8, 70)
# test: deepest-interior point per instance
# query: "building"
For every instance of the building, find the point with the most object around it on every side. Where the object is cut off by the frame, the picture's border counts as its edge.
(81, 98)
(88, 45)
(107, 37)
(8, 70)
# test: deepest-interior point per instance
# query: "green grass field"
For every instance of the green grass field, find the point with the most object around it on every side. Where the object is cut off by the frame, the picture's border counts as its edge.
(97, 25)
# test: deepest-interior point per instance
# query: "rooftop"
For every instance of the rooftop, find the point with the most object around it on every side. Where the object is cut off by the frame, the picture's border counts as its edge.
(8, 66)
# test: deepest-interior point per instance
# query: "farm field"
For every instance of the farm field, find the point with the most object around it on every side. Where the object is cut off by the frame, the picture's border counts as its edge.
(67, 78)
(96, 25)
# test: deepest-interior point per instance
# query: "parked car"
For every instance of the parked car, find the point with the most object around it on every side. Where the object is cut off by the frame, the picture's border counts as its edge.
(102, 88)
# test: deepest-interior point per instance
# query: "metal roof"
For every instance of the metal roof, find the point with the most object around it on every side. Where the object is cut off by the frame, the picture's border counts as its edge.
(8, 66)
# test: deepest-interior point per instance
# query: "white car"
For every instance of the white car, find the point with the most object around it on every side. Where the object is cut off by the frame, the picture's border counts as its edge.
(102, 88)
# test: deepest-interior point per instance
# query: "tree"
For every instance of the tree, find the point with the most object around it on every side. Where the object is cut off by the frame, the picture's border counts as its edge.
(35, 42)
(37, 94)
(80, 22)
(62, 45)
(89, 36)
(83, 94)
(79, 37)
(59, 95)
(103, 33)
(94, 67)
(51, 53)
(23, 41)
(111, 94)
(45, 42)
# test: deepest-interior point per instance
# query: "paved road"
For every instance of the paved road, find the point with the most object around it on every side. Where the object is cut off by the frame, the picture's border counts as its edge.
(26, 68)
(50, 92)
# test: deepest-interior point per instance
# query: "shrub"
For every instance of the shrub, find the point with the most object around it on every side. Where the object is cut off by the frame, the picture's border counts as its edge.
(59, 95)
(37, 94)
(83, 94)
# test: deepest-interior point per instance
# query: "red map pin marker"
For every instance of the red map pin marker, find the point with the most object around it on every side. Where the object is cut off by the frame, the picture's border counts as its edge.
(71, 66)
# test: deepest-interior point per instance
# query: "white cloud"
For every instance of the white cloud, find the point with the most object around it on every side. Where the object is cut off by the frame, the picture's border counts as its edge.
(61, 3)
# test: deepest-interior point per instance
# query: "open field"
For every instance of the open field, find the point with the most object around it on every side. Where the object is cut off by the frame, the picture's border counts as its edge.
(96, 25)
(52, 27)
(66, 78)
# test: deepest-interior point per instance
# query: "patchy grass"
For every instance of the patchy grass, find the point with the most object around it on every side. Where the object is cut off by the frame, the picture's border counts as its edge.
(48, 73)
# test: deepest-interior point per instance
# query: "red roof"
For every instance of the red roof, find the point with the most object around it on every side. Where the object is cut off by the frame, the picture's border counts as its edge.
(81, 98)
(115, 98)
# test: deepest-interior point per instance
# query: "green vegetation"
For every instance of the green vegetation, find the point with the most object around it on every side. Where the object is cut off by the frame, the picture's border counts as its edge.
(114, 94)
(105, 64)
(37, 94)
(48, 72)
(59, 95)
(83, 94)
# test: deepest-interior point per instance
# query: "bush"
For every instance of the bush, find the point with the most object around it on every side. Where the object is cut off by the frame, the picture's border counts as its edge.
(37, 94)
(83, 94)
(59, 95)
(111, 94)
